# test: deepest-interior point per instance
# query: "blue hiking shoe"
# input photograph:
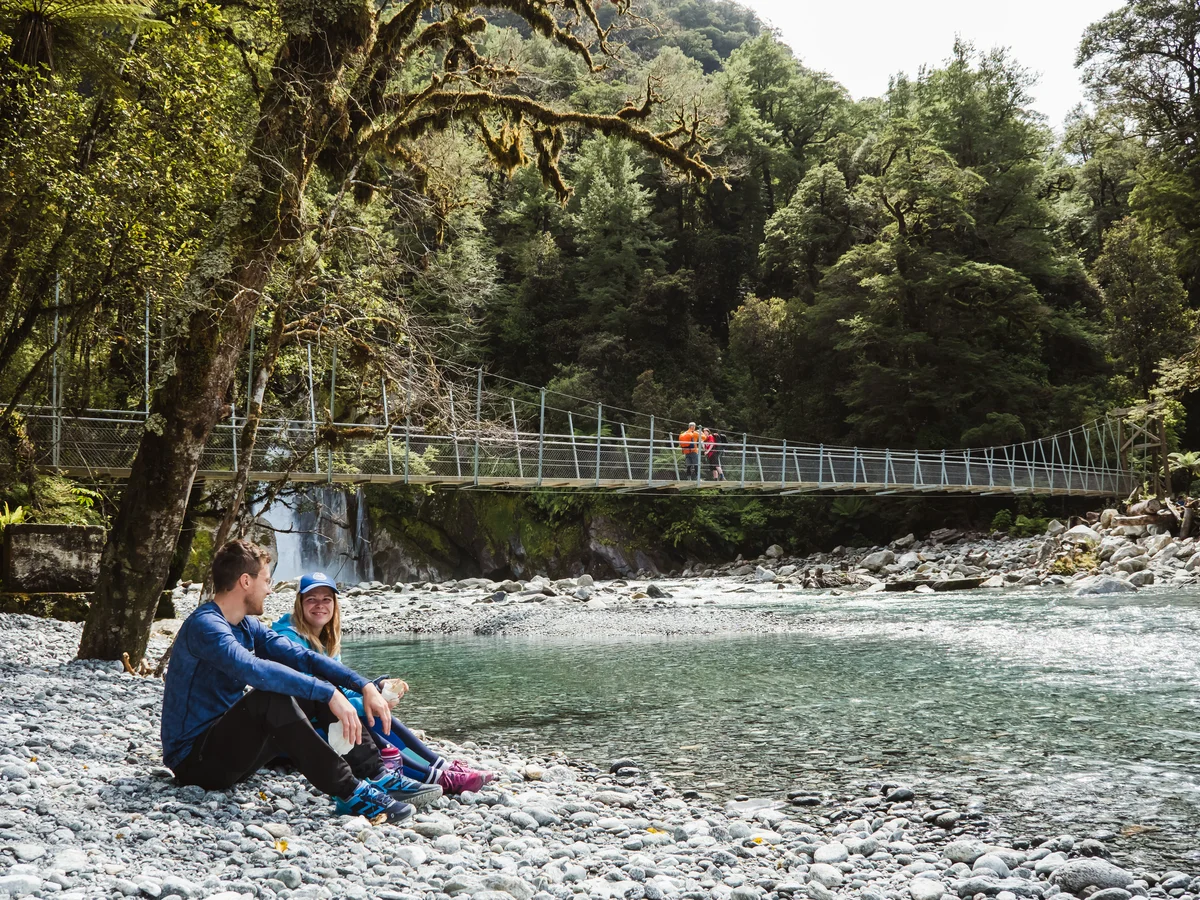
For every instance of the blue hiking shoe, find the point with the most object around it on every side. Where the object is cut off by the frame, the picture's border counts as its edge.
(372, 803)
(406, 790)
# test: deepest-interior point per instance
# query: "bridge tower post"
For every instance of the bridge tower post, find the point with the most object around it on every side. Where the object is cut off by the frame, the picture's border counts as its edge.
(312, 412)
(454, 435)
(332, 412)
(541, 436)
(820, 466)
(55, 422)
(517, 437)
(783, 465)
(146, 366)
(599, 422)
(387, 423)
(650, 459)
(478, 414)
(743, 459)
(574, 448)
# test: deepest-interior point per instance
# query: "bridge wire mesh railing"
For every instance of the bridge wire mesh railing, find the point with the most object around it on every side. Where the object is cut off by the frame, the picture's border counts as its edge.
(596, 451)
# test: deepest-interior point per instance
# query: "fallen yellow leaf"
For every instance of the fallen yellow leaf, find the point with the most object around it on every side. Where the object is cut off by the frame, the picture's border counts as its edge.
(281, 846)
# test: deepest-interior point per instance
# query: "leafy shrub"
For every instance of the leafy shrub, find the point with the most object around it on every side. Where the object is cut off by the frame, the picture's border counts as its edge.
(1029, 527)
(1002, 521)
(1075, 563)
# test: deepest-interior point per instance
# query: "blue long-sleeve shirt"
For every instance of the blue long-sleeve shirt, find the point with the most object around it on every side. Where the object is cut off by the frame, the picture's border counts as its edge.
(213, 662)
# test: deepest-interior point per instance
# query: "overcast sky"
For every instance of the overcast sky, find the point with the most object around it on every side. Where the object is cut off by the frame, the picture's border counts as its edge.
(862, 42)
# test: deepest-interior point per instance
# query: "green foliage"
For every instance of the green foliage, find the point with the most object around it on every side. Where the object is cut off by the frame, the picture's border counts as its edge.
(1145, 301)
(1026, 526)
(11, 517)
(61, 500)
(1002, 521)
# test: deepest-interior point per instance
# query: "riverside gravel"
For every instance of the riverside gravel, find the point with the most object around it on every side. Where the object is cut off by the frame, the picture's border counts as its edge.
(87, 810)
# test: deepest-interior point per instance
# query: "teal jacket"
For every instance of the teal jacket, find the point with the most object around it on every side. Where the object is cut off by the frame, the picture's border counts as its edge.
(284, 626)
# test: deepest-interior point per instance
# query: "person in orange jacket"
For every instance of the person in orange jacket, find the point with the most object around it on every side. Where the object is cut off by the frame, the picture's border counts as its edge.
(689, 443)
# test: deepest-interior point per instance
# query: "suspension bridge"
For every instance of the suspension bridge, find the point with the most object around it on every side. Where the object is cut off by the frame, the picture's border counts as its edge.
(595, 452)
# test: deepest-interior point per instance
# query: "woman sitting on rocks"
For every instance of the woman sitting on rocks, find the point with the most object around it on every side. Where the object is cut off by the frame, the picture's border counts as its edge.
(316, 623)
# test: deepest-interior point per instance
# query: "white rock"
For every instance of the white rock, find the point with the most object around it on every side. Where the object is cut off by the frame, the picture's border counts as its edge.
(831, 853)
(1081, 535)
(926, 889)
(763, 575)
(19, 885)
(824, 873)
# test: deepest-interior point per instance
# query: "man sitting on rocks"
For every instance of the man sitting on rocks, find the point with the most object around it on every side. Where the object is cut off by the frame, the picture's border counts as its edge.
(214, 734)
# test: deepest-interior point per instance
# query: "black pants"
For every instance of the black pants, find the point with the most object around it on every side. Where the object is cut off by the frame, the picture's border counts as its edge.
(263, 725)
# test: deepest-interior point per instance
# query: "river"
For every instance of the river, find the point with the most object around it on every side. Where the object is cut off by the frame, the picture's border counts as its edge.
(1051, 713)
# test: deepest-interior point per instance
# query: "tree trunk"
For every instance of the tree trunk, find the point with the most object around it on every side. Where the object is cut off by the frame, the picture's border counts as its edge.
(183, 549)
(299, 111)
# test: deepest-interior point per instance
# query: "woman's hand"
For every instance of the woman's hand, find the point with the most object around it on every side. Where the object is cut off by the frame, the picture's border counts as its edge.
(345, 713)
(375, 707)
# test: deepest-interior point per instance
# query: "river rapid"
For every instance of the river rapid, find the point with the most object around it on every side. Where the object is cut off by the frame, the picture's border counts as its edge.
(1048, 712)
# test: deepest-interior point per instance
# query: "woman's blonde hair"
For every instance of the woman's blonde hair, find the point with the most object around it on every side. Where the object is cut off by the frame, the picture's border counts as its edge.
(329, 640)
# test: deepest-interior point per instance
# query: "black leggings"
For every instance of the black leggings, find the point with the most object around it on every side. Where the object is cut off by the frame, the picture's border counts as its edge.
(263, 725)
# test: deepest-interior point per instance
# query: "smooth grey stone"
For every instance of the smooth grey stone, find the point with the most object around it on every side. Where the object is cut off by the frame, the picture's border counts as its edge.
(1111, 894)
(1076, 874)
(825, 874)
(832, 853)
(926, 889)
(509, 884)
(964, 851)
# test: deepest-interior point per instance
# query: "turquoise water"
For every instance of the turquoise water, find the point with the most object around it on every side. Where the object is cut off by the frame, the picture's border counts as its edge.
(1052, 713)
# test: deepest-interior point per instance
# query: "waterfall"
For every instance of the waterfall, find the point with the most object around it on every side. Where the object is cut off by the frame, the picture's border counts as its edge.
(322, 528)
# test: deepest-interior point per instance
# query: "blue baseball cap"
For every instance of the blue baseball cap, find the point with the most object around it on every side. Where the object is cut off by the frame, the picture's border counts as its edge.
(316, 580)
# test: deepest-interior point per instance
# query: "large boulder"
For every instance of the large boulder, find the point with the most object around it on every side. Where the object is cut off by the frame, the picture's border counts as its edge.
(1077, 874)
(1081, 535)
(1158, 543)
(1055, 528)
(52, 558)
(1127, 552)
(1103, 584)
(876, 561)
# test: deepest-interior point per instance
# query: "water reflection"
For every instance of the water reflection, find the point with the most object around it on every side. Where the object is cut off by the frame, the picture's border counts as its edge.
(1066, 714)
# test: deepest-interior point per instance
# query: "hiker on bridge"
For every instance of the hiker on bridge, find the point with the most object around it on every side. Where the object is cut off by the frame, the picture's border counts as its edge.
(315, 623)
(713, 445)
(689, 443)
(215, 733)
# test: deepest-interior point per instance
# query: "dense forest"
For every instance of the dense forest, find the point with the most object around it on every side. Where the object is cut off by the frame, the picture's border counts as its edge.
(713, 231)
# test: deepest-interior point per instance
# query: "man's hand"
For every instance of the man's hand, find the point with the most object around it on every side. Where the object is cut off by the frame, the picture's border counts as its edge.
(374, 706)
(345, 713)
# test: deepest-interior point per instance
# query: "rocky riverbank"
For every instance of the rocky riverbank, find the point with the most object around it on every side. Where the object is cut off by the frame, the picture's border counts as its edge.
(1100, 558)
(86, 810)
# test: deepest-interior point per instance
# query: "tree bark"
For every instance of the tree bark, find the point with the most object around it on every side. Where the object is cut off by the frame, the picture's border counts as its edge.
(183, 549)
(261, 216)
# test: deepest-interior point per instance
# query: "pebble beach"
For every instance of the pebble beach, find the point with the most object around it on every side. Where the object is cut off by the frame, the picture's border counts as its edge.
(87, 810)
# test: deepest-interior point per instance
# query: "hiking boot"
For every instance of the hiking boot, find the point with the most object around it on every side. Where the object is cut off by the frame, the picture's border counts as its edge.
(488, 777)
(459, 777)
(406, 790)
(375, 805)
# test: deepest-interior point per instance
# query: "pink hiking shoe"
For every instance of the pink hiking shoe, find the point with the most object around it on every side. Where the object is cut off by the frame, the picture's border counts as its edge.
(458, 777)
